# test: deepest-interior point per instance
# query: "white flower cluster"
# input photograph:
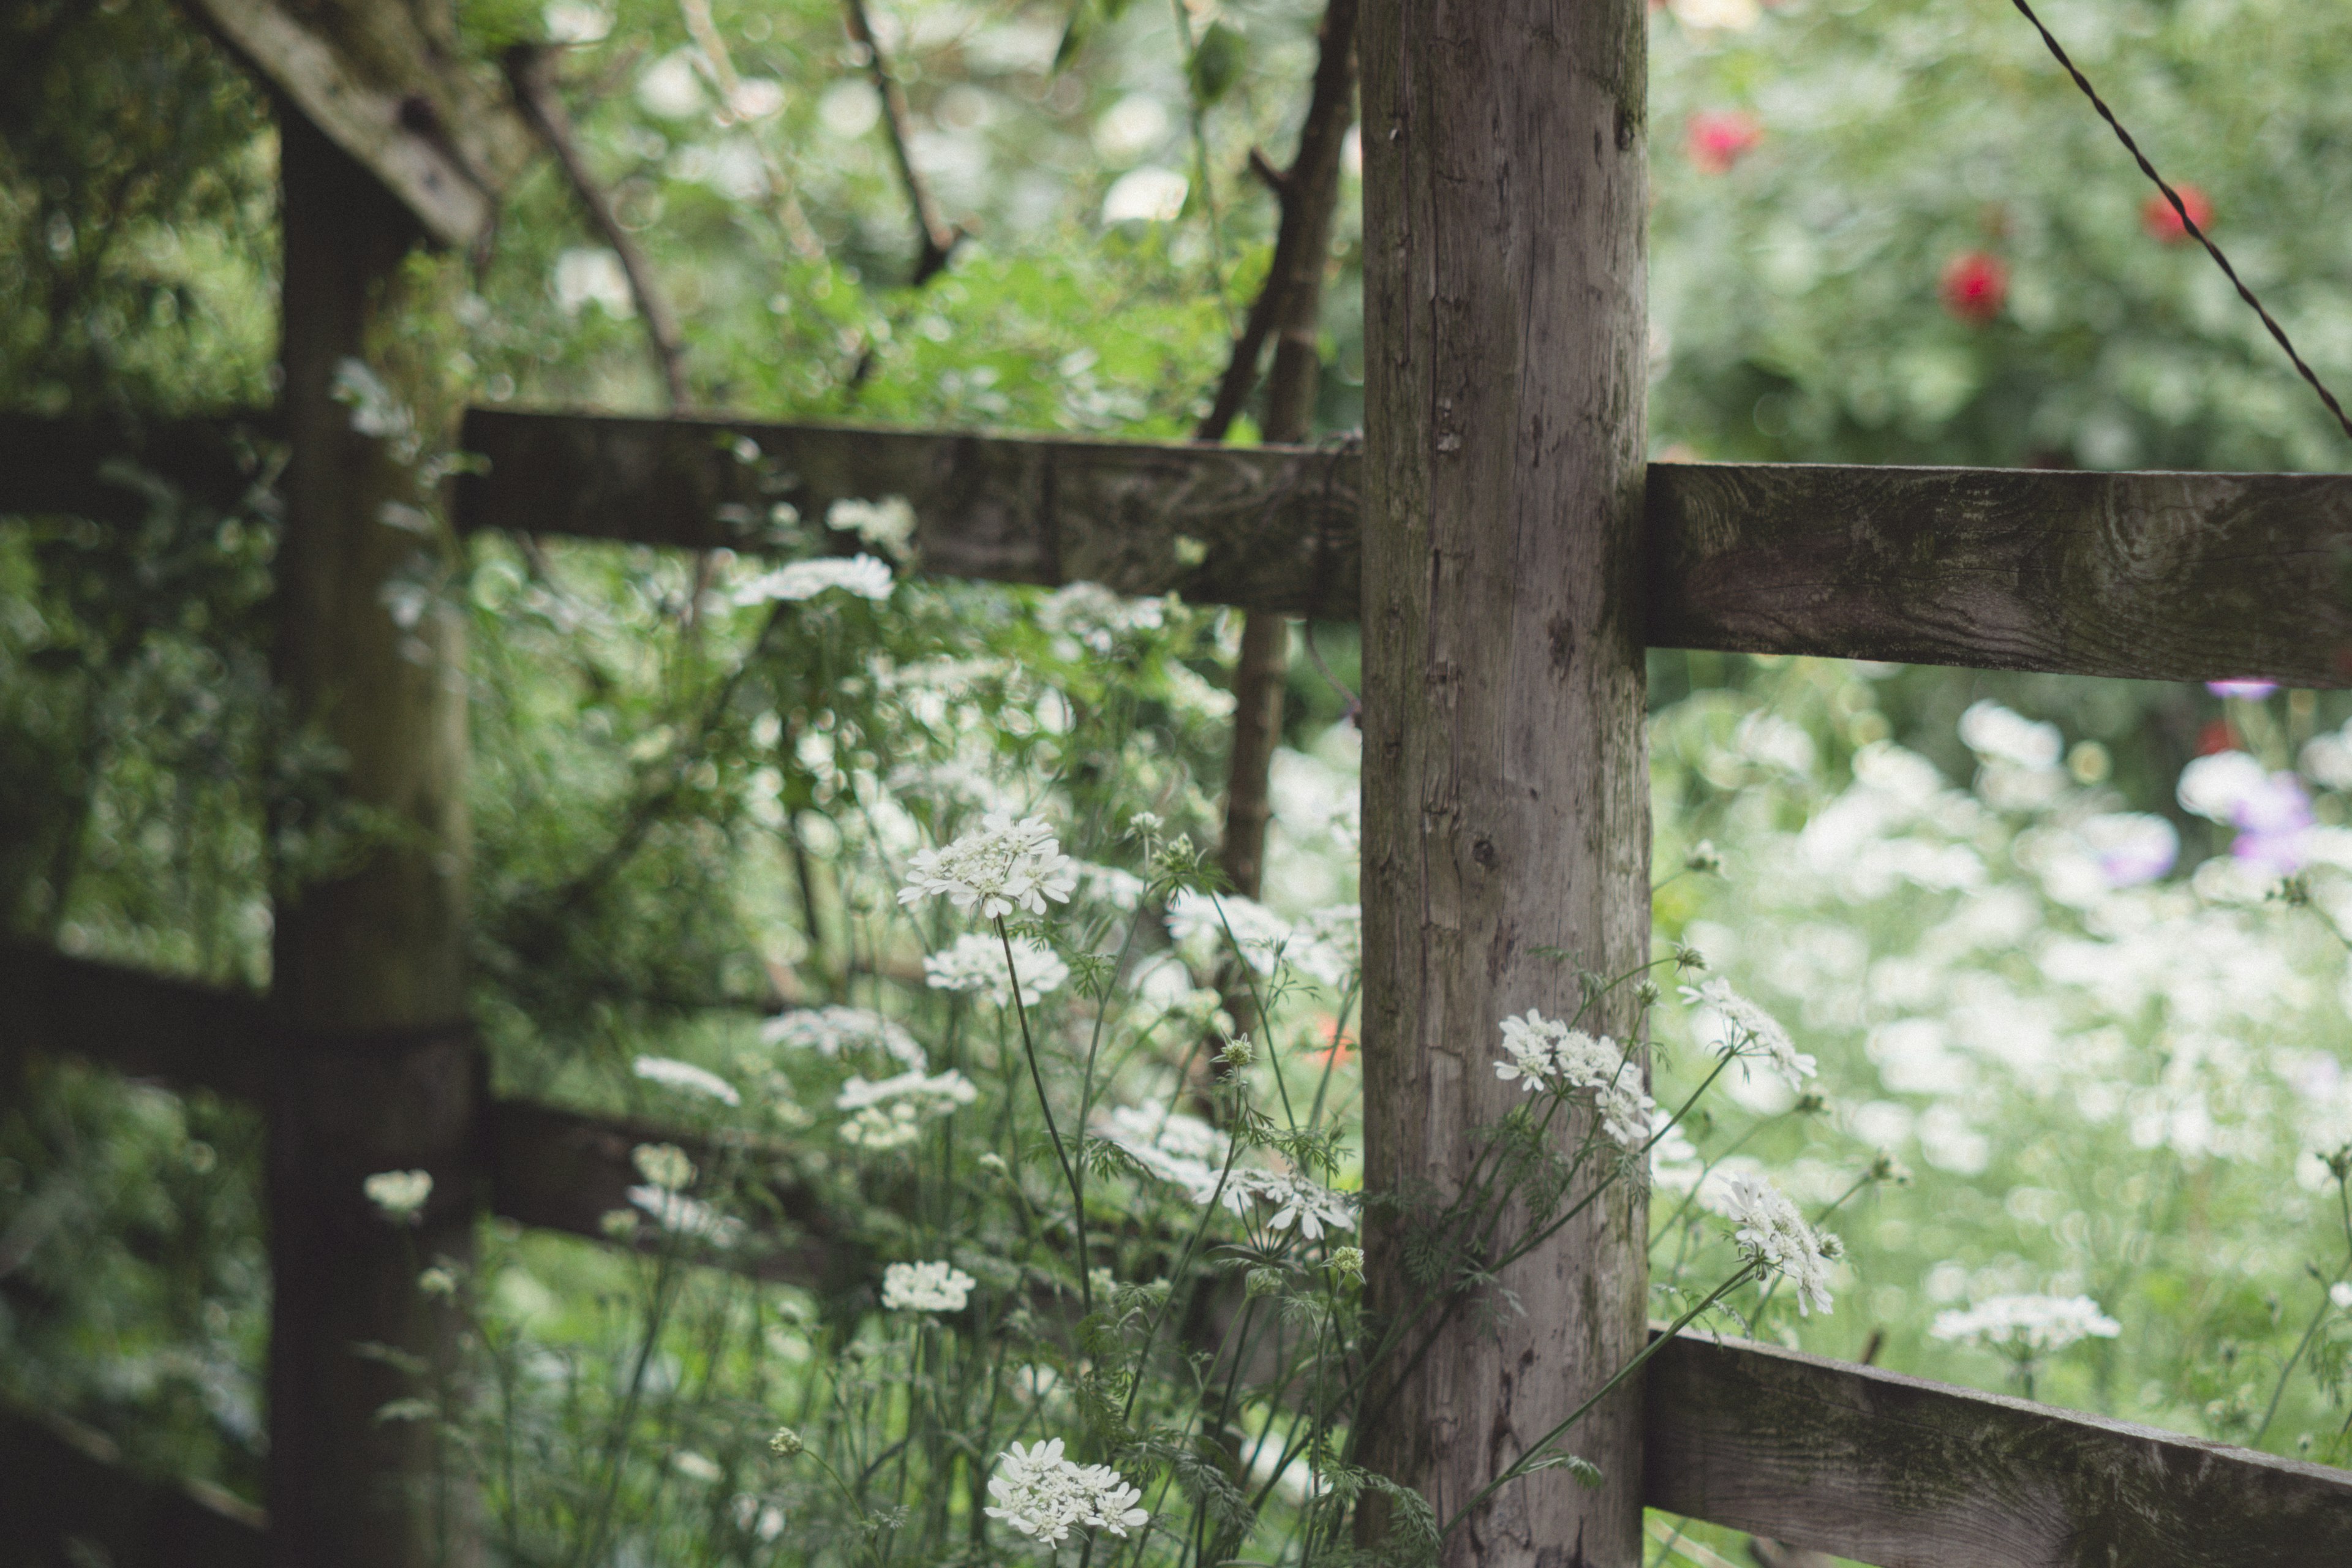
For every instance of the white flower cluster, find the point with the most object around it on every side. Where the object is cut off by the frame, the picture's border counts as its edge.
(829, 1031)
(926, 1288)
(891, 1113)
(1745, 1029)
(1044, 1496)
(401, 1194)
(1002, 866)
(1771, 1233)
(2027, 1325)
(1187, 1152)
(687, 1078)
(1199, 919)
(1554, 1058)
(683, 1215)
(976, 963)
(888, 524)
(862, 575)
(1096, 617)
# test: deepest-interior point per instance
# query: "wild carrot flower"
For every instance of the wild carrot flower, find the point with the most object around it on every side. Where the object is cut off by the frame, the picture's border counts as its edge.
(976, 963)
(2029, 1325)
(862, 575)
(665, 1166)
(401, 1194)
(1545, 1055)
(926, 1288)
(1747, 1030)
(1001, 866)
(1044, 1496)
(829, 1031)
(687, 1078)
(1773, 1235)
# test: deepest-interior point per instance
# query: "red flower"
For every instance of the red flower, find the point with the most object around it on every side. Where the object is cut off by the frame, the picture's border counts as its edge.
(2158, 218)
(2218, 735)
(1718, 138)
(1975, 284)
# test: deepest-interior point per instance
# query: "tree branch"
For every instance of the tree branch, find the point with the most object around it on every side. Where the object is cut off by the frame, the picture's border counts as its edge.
(940, 236)
(530, 72)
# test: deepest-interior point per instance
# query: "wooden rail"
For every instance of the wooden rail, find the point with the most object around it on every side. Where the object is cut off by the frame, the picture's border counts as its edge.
(1870, 1465)
(2157, 577)
(1905, 1473)
(68, 1498)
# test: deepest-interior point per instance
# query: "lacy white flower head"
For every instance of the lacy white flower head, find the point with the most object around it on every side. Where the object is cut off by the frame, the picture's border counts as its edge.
(683, 1215)
(1545, 1055)
(1198, 920)
(830, 1031)
(687, 1078)
(1096, 617)
(926, 1288)
(1001, 866)
(1772, 1235)
(401, 1194)
(2026, 1325)
(665, 1166)
(976, 963)
(892, 1113)
(1044, 1496)
(1330, 944)
(1180, 1150)
(1297, 1202)
(862, 575)
(888, 524)
(1745, 1029)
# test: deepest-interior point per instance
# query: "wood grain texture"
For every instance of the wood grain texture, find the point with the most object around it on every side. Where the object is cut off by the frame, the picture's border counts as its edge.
(1506, 785)
(386, 81)
(1905, 1473)
(1218, 524)
(66, 1500)
(2154, 575)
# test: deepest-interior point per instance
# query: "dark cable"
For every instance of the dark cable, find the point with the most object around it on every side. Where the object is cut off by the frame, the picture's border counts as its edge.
(2277, 331)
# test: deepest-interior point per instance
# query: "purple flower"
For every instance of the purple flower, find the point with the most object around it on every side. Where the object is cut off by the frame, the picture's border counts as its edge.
(2271, 823)
(2132, 848)
(2249, 690)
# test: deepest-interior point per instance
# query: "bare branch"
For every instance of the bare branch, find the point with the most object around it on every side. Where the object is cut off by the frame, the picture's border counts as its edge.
(940, 237)
(530, 72)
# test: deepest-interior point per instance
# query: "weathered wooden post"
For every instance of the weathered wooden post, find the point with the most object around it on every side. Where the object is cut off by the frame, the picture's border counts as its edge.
(379, 1070)
(1506, 786)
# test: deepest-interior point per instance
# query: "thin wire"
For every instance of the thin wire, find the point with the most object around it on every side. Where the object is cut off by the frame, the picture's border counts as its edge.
(2277, 331)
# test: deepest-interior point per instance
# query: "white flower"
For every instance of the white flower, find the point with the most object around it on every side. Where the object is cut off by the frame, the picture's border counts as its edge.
(888, 524)
(1745, 1029)
(687, 1078)
(1201, 917)
(1002, 866)
(926, 1288)
(1306, 1206)
(1330, 946)
(829, 1031)
(1554, 1058)
(1096, 617)
(683, 1215)
(2341, 1294)
(2027, 1325)
(696, 1466)
(976, 963)
(1043, 1495)
(1122, 890)
(664, 1164)
(860, 574)
(1771, 1233)
(401, 1194)
(891, 1114)
(1180, 1150)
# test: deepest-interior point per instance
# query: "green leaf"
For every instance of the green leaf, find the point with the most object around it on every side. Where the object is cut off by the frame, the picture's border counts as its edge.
(1217, 63)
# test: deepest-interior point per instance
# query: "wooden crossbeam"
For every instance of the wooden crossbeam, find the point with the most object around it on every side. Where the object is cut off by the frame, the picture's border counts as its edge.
(1905, 1473)
(2158, 576)
(67, 1497)
(1870, 1465)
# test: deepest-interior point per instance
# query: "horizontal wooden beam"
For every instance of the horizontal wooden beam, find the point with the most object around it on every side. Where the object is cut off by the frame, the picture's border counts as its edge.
(137, 1023)
(1905, 1473)
(1265, 527)
(66, 1497)
(2158, 576)
(94, 468)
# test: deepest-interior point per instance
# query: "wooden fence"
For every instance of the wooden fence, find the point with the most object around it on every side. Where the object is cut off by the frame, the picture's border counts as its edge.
(2166, 575)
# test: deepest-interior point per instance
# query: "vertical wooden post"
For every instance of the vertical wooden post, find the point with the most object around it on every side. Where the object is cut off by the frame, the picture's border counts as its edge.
(1505, 788)
(379, 1072)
